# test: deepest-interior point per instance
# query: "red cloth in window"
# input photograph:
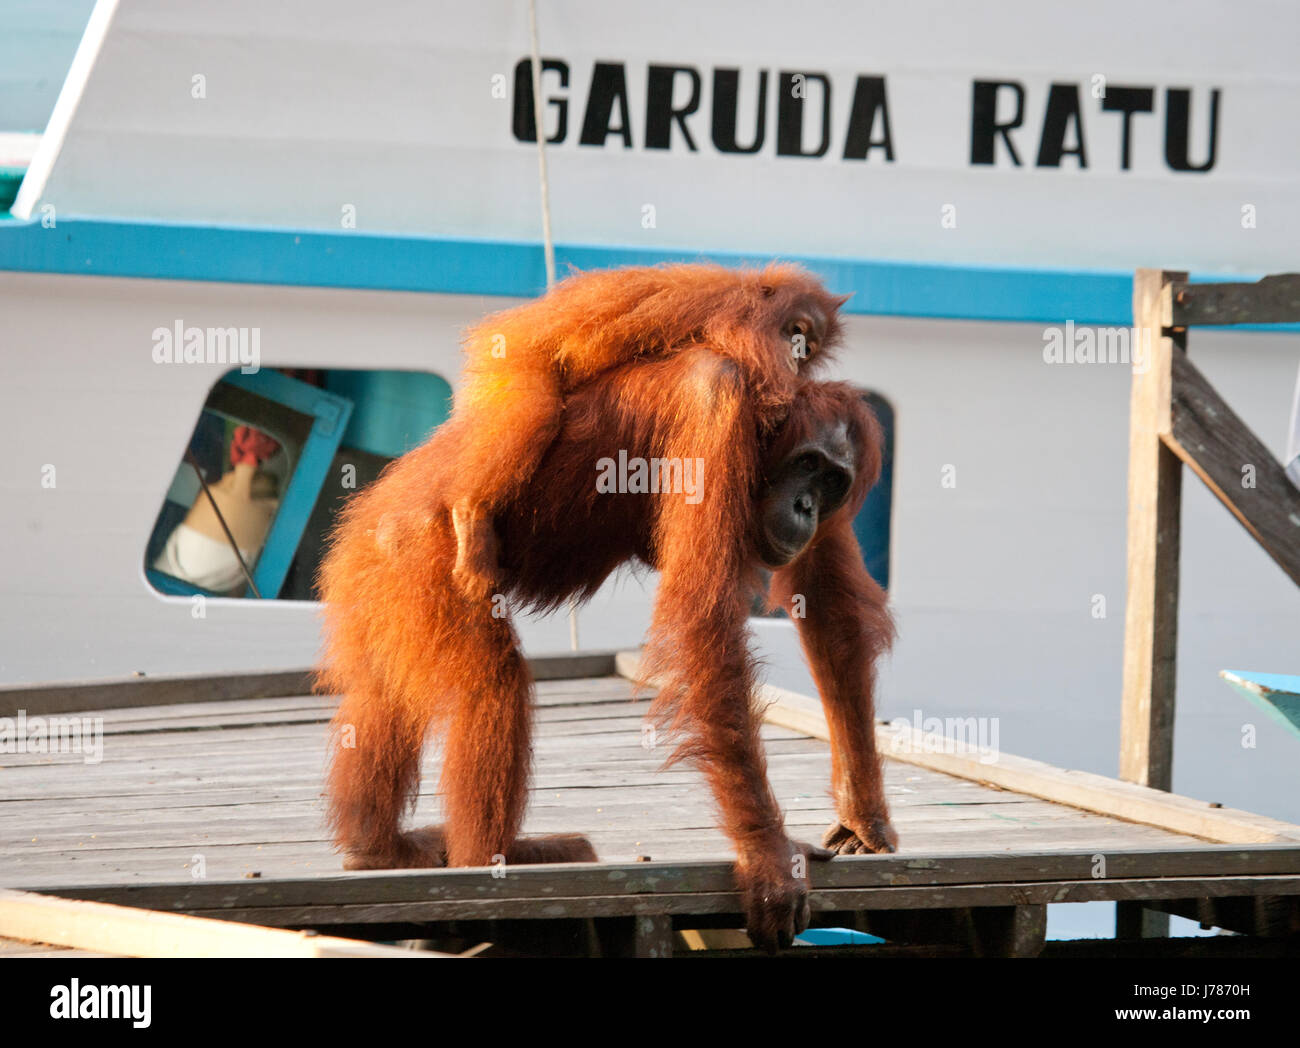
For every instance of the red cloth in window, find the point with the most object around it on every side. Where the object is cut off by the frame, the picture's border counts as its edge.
(251, 446)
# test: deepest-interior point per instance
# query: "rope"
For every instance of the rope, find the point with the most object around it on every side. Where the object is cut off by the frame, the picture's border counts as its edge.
(243, 566)
(548, 240)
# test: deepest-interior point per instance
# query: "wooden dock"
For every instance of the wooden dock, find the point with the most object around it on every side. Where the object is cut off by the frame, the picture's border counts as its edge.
(214, 809)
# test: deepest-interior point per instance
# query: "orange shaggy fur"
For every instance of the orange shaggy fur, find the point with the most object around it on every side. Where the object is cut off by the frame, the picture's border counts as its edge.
(523, 362)
(410, 651)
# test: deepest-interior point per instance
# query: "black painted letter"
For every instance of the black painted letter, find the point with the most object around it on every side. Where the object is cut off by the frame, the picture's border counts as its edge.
(868, 99)
(793, 90)
(984, 126)
(726, 95)
(1178, 104)
(659, 111)
(608, 85)
(524, 125)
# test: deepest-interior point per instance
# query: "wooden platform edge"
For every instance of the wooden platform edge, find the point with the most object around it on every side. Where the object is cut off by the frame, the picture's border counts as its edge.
(40, 700)
(1078, 789)
(126, 932)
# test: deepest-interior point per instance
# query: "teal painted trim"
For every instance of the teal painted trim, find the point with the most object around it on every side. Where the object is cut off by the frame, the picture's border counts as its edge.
(392, 411)
(1277, 694)
(399, 262)
(10, 179)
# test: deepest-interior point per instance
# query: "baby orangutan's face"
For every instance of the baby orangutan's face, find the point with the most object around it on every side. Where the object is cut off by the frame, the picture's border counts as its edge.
(807, 322)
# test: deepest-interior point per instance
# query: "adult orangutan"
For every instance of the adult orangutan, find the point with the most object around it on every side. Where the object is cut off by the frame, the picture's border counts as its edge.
(408, 649)
(772, 322)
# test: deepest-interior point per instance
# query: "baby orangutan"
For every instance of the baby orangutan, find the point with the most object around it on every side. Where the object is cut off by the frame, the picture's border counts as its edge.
(774, 323)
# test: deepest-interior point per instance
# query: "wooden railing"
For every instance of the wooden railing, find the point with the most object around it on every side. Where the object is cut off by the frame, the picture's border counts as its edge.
(1178, 418)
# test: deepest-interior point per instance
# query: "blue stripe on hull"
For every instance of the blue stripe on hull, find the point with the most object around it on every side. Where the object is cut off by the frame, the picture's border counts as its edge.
(398, 262)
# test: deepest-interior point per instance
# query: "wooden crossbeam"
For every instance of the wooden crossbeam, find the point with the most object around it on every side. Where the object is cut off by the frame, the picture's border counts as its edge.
(1220, 448)
(609, 890)
(1272, 300)
(908, 893)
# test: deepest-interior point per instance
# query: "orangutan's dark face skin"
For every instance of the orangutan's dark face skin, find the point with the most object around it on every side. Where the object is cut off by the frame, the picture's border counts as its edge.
(809, 485)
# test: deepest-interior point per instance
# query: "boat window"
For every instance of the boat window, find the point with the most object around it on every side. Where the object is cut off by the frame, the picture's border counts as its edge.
(272, 457)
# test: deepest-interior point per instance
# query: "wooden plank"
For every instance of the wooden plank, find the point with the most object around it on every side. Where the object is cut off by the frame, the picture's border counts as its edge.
(1243, 474)
(572, 665)
(130, 932)
(88, 696)
(1079, 789)
(695, 904)
(1272, 300)
(1154, 500)
(652, 878)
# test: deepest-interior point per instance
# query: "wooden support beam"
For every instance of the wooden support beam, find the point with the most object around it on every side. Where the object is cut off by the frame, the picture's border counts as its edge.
(692, 905)
(1154, 502)
(477, 890)
(1209, 437)
(652, 936)
(1272, 300)
(127, 932)
(1009, 931)
(1136, 920)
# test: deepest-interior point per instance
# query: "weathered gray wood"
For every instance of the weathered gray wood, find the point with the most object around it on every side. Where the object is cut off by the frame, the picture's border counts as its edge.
(88, 696)
(1066, 786)
(1133, 920)
(1272, 300)
(572, 665)
(242, 793)
(958, 896)
(1154, 500)
(1076, 788)
(602, 879)
(1009, 931)
(83, 697)
(1210, 438)
(652, 936)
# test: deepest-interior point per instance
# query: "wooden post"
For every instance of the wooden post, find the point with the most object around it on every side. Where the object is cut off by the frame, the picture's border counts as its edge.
(1009, 931)
(653, 936)
(1133, 920)
(1154, 500)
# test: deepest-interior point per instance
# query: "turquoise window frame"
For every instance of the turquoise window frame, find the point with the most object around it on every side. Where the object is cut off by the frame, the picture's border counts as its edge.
(329, 413)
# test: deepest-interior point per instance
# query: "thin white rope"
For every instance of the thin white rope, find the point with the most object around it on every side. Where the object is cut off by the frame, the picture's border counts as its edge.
(548, 240)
